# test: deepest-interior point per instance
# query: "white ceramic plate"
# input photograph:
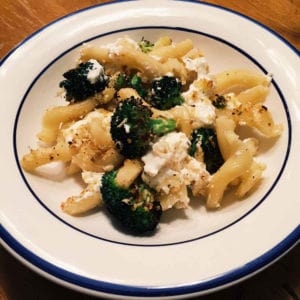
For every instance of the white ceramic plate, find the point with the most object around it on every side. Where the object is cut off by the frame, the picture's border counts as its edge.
(192, 253)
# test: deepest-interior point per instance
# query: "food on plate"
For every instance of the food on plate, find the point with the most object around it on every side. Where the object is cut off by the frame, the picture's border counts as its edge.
(147, 126)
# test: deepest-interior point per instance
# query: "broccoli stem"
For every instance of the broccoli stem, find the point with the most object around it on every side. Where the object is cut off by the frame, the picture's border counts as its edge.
(162, 126)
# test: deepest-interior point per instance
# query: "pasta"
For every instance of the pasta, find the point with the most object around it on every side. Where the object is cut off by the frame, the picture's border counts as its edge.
(79, 133)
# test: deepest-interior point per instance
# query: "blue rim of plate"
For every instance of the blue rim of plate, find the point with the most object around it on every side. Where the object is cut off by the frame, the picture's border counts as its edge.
(109, 288)
(125, 290)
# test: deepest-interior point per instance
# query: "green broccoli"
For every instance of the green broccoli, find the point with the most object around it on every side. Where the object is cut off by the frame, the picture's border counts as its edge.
(84, 81)
(165, 93)
(123, 80)
(206, 138)
(145, 45)
(132, 128)
(135, 207)
(137, 84)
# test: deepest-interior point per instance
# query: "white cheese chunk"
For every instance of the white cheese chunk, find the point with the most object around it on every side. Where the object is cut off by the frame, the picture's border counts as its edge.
(96, 72)
(170, 170)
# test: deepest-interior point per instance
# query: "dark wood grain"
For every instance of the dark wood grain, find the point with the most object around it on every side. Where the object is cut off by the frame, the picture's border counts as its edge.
(18, 19)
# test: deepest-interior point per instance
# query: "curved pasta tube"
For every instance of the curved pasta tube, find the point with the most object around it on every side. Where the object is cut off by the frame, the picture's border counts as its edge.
(262, 120)
(257, 116)
(250, 178)
(234, 167)
(88, 199)
(228, 140)
(84, 202)
(256, 94)
(162, 41)
(91, 52)
(125, 93)
(239, 166)
(41, 156)
(99, 129)
(55, 116)
(238, 80)
(173, 51)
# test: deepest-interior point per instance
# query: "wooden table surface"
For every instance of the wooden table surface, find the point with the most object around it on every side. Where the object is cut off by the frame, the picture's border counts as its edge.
(18, 19)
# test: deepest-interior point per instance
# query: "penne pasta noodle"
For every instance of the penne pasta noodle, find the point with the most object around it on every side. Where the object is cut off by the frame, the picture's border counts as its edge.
(55, 116)
(42, 156)
(256, 94)
(236, 81)
(162, 41)
(233, 168)
(128, 172)
(173, 51)
(250, 178)
(85, 201)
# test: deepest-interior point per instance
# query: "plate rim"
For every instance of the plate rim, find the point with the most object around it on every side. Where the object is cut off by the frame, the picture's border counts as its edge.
(108, 288)
(260, 24)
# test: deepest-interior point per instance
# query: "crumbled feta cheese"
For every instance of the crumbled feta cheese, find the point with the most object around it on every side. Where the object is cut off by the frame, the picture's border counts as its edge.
(96, 72)
(169, 148)
(170, 170)
(199, 65)
(200, 108)
(201, 113)
(92, 179)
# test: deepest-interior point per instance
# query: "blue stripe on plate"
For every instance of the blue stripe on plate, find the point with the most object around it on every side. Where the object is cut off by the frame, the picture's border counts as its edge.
(146, 291)
(111, 288)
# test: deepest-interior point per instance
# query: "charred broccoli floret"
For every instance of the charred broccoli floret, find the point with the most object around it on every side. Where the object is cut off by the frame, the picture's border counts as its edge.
(123, 80)
(132, 128)
(145, 45)
(134, 207)
(165, 93)
(84, 81)
(206, 139)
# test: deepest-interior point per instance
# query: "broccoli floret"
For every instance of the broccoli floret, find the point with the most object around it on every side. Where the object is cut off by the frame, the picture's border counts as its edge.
(123, 80)
(219, 102)
(137, 84)
(134, 207)
(165, 93)
(207, 139)
(84, 81)
(132, 128)
(145, 45)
